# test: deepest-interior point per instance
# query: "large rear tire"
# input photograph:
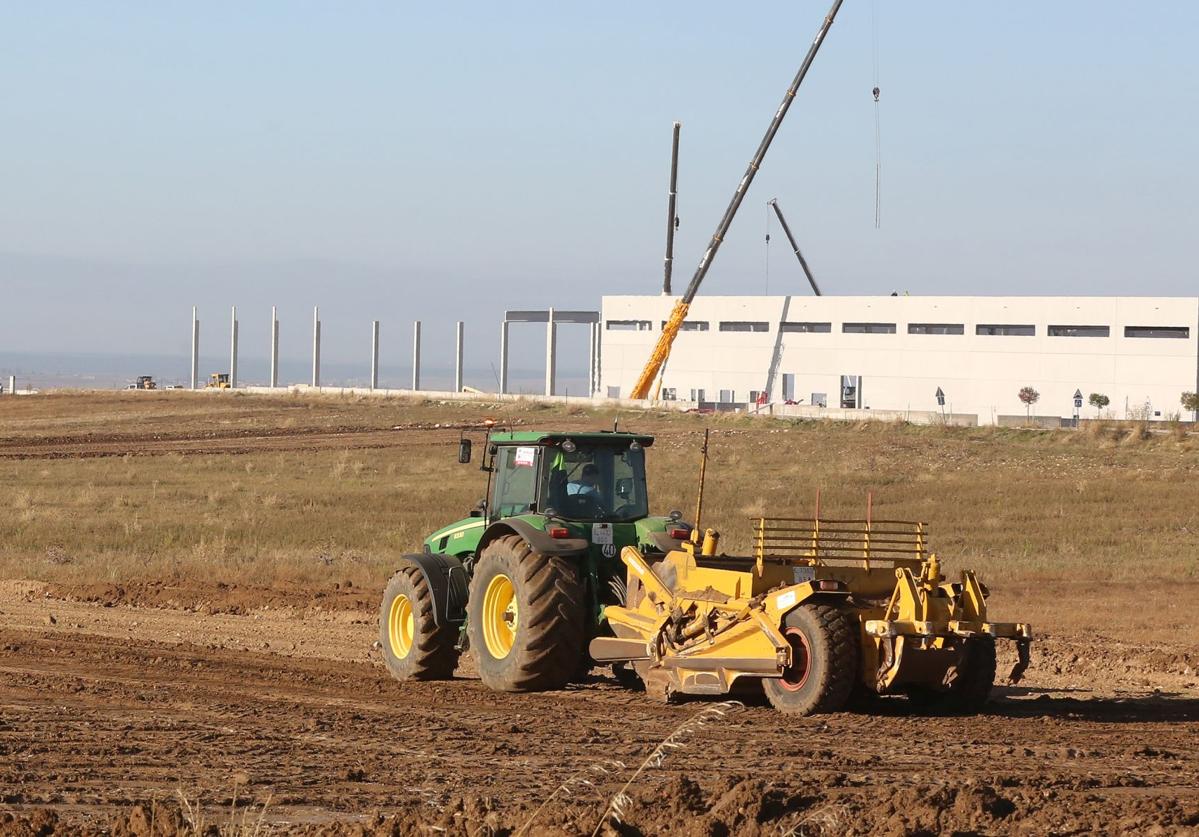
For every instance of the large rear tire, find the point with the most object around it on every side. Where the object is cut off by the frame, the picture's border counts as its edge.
(971, 689)
(824, 661)
(414, 646)
(525, 617)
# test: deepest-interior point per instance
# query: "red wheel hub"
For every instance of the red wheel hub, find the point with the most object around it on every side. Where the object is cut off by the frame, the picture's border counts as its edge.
(796, 674)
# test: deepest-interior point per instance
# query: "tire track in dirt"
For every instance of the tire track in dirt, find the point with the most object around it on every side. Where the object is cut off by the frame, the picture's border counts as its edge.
(239, 444)
(93, 722)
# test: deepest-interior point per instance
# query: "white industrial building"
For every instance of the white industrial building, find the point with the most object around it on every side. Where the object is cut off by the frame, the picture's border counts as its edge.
(892, 353)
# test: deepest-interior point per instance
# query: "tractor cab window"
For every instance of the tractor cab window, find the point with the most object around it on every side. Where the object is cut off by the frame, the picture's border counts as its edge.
(515, 480)
(603, 482)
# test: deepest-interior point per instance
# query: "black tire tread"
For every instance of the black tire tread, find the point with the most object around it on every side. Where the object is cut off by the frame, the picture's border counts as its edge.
(552, 618)
(970, 690)
(976, 677)
(434, 655)
(839, 676)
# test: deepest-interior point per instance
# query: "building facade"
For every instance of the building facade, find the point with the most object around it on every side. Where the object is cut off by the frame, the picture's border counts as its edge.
(895, 353)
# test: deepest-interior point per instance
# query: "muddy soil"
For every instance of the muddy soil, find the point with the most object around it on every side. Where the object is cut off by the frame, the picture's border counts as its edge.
(159, 708)
(137, 720)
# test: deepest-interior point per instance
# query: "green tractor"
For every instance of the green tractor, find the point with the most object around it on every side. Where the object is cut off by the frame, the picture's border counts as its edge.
(523, 581)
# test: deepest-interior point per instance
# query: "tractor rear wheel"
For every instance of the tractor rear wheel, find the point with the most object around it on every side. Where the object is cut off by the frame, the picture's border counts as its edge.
(970, 689)
(824, 661)
(525, 617)
(414, 646)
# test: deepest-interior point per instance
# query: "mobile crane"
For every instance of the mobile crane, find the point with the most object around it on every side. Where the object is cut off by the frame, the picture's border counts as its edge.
(670, 330)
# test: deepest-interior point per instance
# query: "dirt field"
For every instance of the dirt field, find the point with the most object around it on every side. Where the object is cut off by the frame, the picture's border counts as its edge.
(147, 685)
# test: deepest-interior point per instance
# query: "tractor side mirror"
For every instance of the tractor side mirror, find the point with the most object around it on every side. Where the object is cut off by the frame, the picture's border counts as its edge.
(464, 451)
(480, 509)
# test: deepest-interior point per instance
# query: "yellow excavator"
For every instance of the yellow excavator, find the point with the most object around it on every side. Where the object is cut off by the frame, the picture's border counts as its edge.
(670, 330)
(218, 380)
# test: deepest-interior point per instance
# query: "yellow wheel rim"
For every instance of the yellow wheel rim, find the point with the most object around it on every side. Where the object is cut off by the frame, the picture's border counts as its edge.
(501, 617)
(401, 626)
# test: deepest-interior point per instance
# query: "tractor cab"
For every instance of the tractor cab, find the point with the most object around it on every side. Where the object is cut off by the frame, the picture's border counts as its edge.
(578, 493)
(592, 477)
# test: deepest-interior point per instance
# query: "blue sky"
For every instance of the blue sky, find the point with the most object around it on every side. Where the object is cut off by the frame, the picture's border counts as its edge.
(443, 161)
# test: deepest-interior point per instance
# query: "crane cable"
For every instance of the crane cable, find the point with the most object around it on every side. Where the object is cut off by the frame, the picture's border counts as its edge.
(878, 142)
(767, 248)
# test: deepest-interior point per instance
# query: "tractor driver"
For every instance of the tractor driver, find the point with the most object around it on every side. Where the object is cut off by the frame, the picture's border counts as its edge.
(587, 484)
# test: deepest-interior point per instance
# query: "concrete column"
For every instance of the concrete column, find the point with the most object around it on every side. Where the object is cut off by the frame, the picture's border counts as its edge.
(551, 353)
(233, 349)
(591, 360)
(416, 355)
(195, 349)
(274, 347)
(504, 357)
(12, 384)
(316, 346)
(374, 354)
(458, 358)
(599, 357)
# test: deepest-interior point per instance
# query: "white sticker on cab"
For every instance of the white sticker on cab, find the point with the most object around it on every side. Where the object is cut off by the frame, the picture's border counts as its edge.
(526, 455)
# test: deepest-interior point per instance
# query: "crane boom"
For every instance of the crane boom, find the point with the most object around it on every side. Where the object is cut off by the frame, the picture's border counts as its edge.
(671, 329)
(802, 261)
(672, 219)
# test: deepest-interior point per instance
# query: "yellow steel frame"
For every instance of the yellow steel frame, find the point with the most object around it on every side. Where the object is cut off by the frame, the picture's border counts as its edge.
(732, 609)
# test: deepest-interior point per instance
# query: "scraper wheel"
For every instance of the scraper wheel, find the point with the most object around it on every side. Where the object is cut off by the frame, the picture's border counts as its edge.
(824, 661)
(970, 689)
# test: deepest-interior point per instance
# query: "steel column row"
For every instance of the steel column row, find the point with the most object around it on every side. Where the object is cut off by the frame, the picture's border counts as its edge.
(551, 317)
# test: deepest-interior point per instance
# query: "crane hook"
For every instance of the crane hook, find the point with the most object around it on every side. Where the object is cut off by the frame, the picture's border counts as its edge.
(875, 91)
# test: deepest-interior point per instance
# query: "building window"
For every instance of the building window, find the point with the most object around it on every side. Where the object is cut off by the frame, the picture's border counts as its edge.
(867, 328)
(691, 325)
(743, 325)
(1174, 332)
(697, 395)
(820, 399)
(668, 394)
(810, 328)
(936, 328)
(1079, 331)
(629, 325)
(614, 392)
(755, 395)
(726, 396)
(1005, 330)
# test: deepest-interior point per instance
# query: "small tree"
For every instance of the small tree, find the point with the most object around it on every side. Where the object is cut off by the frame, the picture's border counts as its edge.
(1190, 401)
(1029, 396)
(1098, 400)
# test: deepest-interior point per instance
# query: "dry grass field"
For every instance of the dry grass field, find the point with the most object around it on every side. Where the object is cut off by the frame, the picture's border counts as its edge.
(188, 585)
(294, 493)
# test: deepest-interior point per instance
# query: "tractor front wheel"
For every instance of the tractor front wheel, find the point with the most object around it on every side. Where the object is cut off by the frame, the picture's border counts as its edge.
(525, 617)
(414, 646)
(824, 661)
